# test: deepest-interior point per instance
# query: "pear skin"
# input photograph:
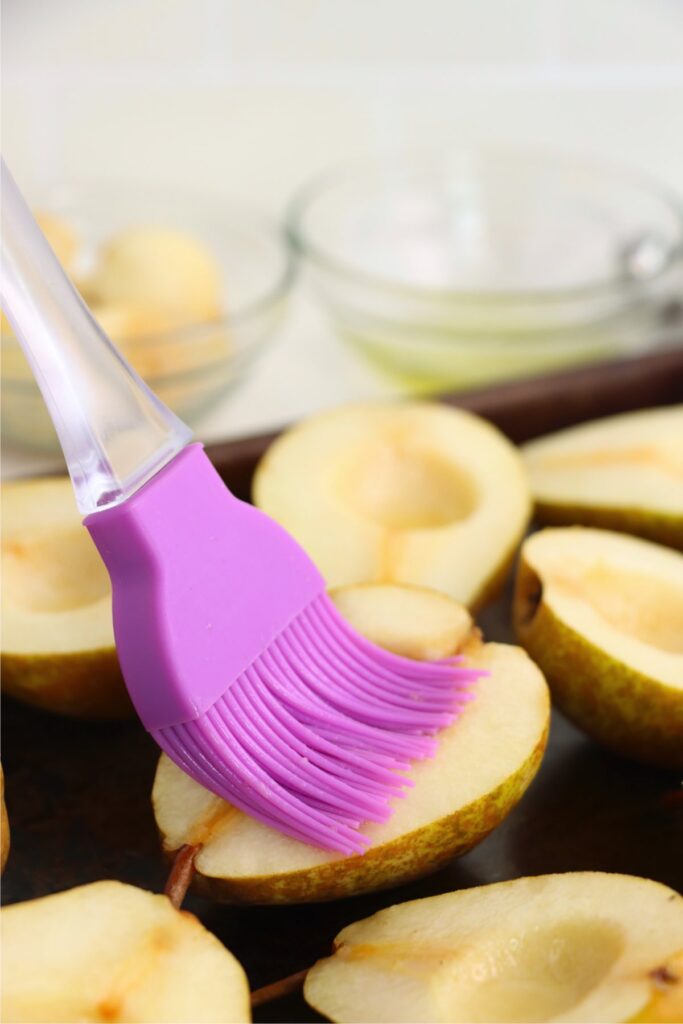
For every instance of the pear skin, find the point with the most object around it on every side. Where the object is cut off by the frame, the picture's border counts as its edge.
(82, 684)
(656, 526)
(622, 472)
(622, 708)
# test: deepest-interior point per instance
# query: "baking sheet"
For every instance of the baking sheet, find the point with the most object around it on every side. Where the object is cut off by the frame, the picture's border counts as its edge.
(78, 794)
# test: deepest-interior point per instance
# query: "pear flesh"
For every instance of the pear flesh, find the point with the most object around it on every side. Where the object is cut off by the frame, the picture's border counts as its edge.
(57, 637)
(602, 615)
(159, 268)
(484, 763)
(112, 952)
(411, 493)
(622, 473)
(581, 947)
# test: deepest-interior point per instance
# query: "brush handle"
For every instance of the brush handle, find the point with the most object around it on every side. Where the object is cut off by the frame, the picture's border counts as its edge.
(114, 431)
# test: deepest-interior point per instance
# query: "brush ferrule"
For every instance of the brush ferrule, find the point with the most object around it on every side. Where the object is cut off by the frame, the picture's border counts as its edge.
(202, 584)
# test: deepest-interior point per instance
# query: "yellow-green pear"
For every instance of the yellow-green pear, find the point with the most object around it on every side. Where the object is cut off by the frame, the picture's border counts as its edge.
(602, 614)
(112, 952)
(577, 947)
(622, 473)
(484, 763)
(57, 636)
(413, 493)
(159, 268)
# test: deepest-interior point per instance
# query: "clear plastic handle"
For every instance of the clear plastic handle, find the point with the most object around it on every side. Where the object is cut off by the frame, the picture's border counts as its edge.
(114, 432)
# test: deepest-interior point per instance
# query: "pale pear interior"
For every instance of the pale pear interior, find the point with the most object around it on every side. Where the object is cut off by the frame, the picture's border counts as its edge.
(561, 963)
(438, 625)
(403, 487)
(632, 461)
(650, 610)
(111, 952)
(622, 593)
(53, 571)
(399, 492)
(573, 947)
(56, 595)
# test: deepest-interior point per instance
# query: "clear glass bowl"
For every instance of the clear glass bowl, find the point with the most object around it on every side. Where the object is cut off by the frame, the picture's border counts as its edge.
(189, 367)
(460, 267)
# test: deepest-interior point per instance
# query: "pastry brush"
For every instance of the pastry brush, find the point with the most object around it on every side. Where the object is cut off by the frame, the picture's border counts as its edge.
(235, 658)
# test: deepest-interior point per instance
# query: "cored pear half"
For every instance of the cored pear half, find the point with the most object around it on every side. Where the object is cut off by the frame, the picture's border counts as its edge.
(622, 473)
(112, 952)
(601, 613)
(484, 763)
(576, 947)
(411, 492)
(57, 636)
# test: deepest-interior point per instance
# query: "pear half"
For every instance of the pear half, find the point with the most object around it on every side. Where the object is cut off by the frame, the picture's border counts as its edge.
(583, 946)
(411, 492)
(112, 952)
(623, 473)
(484, 763)
(159, 268)
(602, 615)
(57, 636)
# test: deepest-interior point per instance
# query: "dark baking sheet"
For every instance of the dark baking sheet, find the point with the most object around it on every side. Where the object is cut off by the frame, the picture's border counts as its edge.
(78, 794)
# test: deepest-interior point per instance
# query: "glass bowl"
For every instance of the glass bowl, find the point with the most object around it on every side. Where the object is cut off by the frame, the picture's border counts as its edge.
(190, 366)
(462, 267)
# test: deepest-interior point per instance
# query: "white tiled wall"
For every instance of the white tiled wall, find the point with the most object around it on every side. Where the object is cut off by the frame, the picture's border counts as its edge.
(248, 97)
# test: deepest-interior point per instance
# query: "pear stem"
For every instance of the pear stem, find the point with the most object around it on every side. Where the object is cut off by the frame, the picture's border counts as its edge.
(278, 989)
(181, 874)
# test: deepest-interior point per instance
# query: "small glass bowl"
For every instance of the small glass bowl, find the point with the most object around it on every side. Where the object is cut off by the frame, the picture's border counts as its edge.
(189, 367)
(462, 267)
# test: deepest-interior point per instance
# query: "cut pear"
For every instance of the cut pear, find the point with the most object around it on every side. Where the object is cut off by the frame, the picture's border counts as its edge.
(483, 765)
(623, 473)
(161, 268)
(580, 947)
(438, 624)
(112, 952)
(57, 635)
(410, 492)
(4, 824)
(602, 615)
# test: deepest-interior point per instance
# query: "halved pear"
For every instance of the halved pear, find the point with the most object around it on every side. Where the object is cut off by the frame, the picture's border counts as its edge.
(583, 947)
(623, 473)
(112, 952)
(162, 268)
(602, 615)
(438, 624)
(411, 492)
(4, 824)
(57, 636)
(484, 763)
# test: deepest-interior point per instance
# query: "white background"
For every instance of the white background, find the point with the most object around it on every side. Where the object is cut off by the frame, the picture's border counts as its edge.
(247, 98)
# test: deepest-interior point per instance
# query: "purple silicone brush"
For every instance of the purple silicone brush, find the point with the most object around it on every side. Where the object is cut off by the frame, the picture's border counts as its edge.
(236, 660)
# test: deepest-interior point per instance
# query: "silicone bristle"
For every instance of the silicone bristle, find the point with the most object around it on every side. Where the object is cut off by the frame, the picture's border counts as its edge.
(312, 738)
